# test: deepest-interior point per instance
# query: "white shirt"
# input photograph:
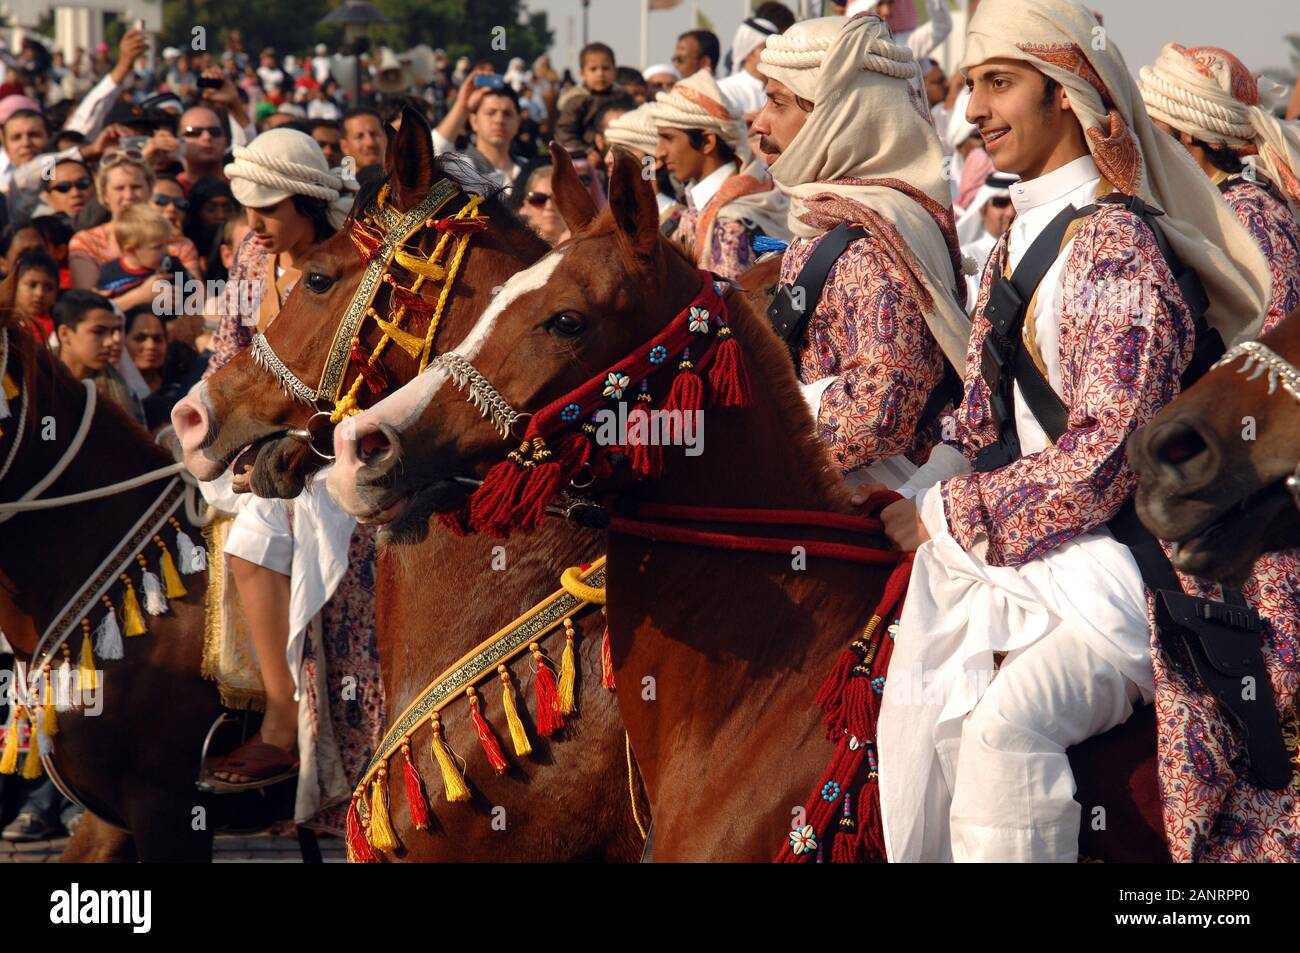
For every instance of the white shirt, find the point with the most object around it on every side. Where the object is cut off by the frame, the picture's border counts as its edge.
(1037, 202)
(323, 109)
(702, 191)
(742, 93)
(320, 68)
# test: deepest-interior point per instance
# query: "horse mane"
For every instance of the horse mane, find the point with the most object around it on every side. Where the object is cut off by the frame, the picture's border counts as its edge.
(767, 356)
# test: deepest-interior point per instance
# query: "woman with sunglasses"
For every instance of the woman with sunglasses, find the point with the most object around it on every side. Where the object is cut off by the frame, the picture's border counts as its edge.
(68, 190)
(169, 201)
(121, 182)
(538, 207)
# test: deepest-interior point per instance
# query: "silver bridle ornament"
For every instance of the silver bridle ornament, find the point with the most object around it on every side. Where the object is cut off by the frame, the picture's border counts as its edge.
(1260, 360)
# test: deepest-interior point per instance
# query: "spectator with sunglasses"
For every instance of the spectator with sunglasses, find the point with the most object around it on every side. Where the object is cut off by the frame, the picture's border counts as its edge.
(168, 200)
(69, 189)
(25, 134)
(537, 206)
(205, 143)
(121, 182)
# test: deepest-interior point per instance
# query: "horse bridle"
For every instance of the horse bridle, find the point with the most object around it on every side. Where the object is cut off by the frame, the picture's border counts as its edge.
(1260, 360)
(398, 228)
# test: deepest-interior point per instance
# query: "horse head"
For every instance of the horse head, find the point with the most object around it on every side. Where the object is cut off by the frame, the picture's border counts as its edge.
(395, 276)
(611, 287)
(1212, 465)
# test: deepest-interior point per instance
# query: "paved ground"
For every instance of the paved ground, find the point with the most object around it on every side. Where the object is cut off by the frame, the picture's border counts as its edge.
(261, 849)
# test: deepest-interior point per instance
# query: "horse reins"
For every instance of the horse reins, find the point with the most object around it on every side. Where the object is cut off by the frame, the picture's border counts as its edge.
(379, 250)
(1259, 361)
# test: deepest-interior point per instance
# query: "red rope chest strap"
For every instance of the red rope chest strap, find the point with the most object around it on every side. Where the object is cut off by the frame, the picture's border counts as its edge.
(653, 527)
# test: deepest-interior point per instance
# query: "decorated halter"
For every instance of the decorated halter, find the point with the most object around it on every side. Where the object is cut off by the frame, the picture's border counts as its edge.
(558, 442)
(384, 238)
(1260, 360)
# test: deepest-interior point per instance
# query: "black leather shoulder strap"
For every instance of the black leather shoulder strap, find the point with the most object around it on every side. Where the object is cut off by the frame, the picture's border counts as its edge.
(791, 309)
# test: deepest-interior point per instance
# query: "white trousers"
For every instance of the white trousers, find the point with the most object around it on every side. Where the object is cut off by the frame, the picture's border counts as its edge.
(1012, 790)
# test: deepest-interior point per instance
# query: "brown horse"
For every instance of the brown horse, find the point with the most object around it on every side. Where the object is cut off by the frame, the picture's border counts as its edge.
(719, 657)
(439, 596)
(1212, 466)
(133, 763)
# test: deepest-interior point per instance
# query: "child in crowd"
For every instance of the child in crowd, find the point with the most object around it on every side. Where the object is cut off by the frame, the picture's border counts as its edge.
(36, 286)
(576, 127)
(14, 240)
(57, 232)
(90, 344)
(142, 234)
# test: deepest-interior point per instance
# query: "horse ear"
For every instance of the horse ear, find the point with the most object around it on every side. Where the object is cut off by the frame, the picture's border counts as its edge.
(632, 203)
(575, 203)
(410, 159)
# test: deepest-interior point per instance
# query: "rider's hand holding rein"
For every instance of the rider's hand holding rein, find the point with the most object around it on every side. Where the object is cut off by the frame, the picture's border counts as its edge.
(903, 524)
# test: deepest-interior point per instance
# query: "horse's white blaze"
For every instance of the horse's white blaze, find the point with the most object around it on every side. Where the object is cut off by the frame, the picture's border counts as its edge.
(404, 406)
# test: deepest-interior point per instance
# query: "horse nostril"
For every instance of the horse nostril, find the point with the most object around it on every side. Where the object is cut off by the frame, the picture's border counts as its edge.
(373, 447)
(186, 419)
(1181, 445)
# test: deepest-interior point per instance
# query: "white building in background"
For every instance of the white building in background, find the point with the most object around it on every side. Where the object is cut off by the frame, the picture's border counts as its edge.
(77, 23)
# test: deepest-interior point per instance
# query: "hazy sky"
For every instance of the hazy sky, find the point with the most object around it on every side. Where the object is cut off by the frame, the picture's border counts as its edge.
(1253, 29)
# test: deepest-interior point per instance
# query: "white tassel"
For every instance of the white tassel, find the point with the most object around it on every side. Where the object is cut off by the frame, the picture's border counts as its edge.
(155, 603)
(192, 558)
(108, 638)
(4, 403)
(63, 685)
(969, 266)
(44, 743)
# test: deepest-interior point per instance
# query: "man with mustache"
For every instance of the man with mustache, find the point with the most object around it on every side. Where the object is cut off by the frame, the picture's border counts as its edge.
(1027, 626)
(850, 142)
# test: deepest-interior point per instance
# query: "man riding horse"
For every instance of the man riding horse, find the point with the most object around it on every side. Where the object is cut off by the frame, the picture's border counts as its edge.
(1089, 313)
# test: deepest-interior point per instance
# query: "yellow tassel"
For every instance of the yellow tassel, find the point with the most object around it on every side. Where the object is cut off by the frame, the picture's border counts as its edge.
(172, 585)
(9, 758)
(408, 342)
(518, 733)
(132, 618)
(89, 678)
(49, 716)
(452, 781)
(32, 763)
(568, 672)
(419, 265)
(381, 830)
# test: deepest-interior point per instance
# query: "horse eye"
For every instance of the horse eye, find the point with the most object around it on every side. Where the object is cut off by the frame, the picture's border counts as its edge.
(568, 324)
(319, 283)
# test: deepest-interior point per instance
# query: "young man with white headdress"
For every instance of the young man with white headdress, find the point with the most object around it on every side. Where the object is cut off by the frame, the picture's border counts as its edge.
(742, 91)
(730, 198)
(1019, 560)
(1207, 99)
(849, 139)
(636, 131)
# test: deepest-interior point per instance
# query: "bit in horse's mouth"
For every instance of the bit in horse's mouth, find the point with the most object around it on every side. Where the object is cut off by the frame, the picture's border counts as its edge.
(241, 467)
(1211, 542)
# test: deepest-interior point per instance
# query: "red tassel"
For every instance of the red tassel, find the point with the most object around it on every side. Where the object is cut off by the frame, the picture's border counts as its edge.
(549, 717)
(606, 662)
(538, 488)
(374, 375)
(574, 452)
(416, 802)
(359, 849)
(460, 226)
(415, 308)
(492, 502)
(857, 712)
(365, 240)
(871, 827)
(728, 377)
(456, 520)
(845, 848)
(687, 392)
(491, 747)
(645, 457)
(830, 698)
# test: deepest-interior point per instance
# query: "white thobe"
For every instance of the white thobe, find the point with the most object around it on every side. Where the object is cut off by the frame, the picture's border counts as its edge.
(307, 539)
(972, 766)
